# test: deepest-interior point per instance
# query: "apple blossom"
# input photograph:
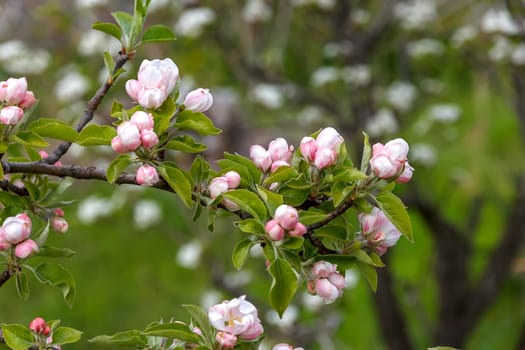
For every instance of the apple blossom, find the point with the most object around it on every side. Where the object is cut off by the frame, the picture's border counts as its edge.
(326, 290)
(277, 164)
(378, 231)
(217, 186)
(325, 158)
(148, 138)
(279, 150)
(406, 175)
(26, 248)
(129, 135)
(226, 340)
(221, 184)
(147, 175)
(284, 346)
(199, 100)
(16, 229)
(59, 224)
(11, 115)
(4, 245)
(261, 157)
(274, 230)
(298, 230)
(233, 178)
(389, 159)
(286, 216)
(323, 150)
(326, 281)
(39, 326)
(13, 90)
(329, 138)
(142, 120)
(237, 317)
(28, 101)
(308, 148)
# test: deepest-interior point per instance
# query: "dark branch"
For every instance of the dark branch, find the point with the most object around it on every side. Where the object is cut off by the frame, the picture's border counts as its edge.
(6, 275)
(91, 107)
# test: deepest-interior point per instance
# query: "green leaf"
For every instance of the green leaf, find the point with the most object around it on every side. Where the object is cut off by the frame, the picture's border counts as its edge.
(17, 337)
(9, 199)
(367, 153)
(311, 216)
(293, 243)
(252, 168)
(282, 174)
(127, 338)
(163, 115)
(349, 175)
(197, 122)
(241, 251)
(251, 226)
(178, 182)
(108, 28)
(284, 285)
(177, 330)
(271, 199)
(29, 138)
(200, 319)
(332, 231)
(109, 62)
(340, 191)
(294, 197)
(22, 285)
(247, 201)
(94, 134)
(53, 128)
(443, 348)
(369, 273)
(124, 21)
(157, 32)
(117, 166)
(57, 276)
(396, 212)
(228, 165)
(343, 262)
(200, 169)
(362, 256)
(54, 252)
(66, 335)
(186, 144)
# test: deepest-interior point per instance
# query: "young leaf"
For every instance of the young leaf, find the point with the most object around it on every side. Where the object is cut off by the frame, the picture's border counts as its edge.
(240, 252)
(109, 62)
(252, 168)
(124, 21)
(96, 135)
(177, 330)
(66, 335)
(157, 32)
(117, 166)
(22, 285)
(340, 190)
(178, 182)
(56, 275)
(54, 252)
(284, 285)
(53, 128)
(131, 338)
(282, 174)
(367, 153)
(227, 165)
(200, 318)
(369, 273)
(200, 169)
(396, 212)
(17, 337)
(197, 122)
(108, 28)
(251, 226)
(247, 201)
(271, 199)
(186, 144)
(163, 115)
(349, 175)
(29, 138)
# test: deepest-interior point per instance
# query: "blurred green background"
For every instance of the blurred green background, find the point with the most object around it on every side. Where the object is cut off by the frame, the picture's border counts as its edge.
(448, 76)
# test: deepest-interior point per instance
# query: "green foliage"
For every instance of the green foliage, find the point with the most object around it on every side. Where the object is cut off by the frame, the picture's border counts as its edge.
(284, 285)
(53, 128)
(93, 135)
(55, 275)
(17, 337)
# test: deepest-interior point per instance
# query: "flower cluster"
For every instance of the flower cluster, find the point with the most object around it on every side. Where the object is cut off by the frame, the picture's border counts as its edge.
(14, 98)
(58, 223)
(284, 346)
(379, 233)
(326, 282)
(42, 333)
(323, 150)
(278, 154)
(390, 160)
(156, 80)
(236, 318)
(136, 132)
(15, 231)
(225, 183)
(285, 219)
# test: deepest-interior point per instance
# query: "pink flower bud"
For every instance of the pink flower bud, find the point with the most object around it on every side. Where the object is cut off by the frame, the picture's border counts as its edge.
(116, 144)
(152, 98)
(277, 164)
(326, 290)
(337, 280)
(218, 186)
(382, 166)
(16, 90)
(133, 88)
(298, 230)
(147, 175)
(274, 230)
(59, 224)
(279, 150)
(323, 269)
(160, 74)
(43, 154)
(28, 101)
(226, 340)
(261, 157)
(142, 120)
(149, 138)
(397, 150)
(129, 136)
(329, 138)
(233, 178)
(39, 326)
(11, 115)
(286, 216)
(308, 148)
(199, 100)
(377, 229)
(26, 248)
(325, 158)
(58, 212)
(16, 229)
(4, 245)
(406, 175)
(253, 331)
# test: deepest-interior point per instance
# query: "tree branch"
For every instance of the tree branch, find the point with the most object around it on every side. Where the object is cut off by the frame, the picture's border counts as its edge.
(91, 107)
(6, 275)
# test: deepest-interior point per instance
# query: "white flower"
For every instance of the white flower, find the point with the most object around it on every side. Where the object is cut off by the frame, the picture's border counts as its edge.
(518, 55)
(234, 316)
(425, 47)
(189, 254)
(415, 14)
(324, 75)
(358, 75)
(382, 123)
(463, 35)
(92, 208)
(71, 86)
(401, 95)
(423, 154)
(256, 11)
(270, 96)
(501, 49)
(192, 21)
(445, 113)
(95, 42)
(85, 4)
(17, 58)
(499, 21)
(286, 321)
(146, 213)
